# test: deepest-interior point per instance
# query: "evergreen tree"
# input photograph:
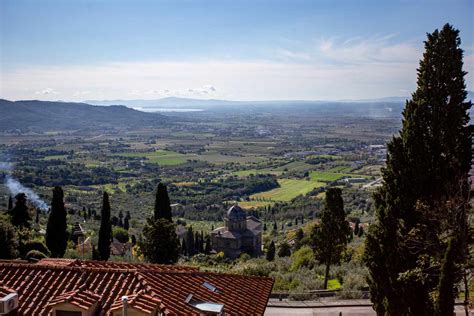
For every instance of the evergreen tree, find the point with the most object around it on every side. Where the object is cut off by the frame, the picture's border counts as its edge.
(19, 214)
(10, 202)
(126, 224)
(271, 251)
(95, 253)
(190, 242)
(160, 243)
(128, 216)
(89, 213)
(285, 250)
(264, 227)
(298, 237)
(208, 247)
(105, 231)
(184, 249)
(37, 215)
(330, 237)
(407, 249)
(162, 203)
(120, 223)
(8, 241)
(356, 227)
(56, 229)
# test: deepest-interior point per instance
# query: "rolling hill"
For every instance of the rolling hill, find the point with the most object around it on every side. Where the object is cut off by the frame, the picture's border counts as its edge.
(36, 115)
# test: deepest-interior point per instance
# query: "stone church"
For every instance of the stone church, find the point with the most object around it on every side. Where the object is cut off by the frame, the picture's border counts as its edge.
(241, 233)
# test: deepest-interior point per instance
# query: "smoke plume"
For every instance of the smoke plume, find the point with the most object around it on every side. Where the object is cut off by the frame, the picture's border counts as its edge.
(16, 187)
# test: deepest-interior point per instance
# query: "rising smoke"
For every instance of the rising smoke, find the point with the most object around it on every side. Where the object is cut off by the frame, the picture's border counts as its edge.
(16, 187)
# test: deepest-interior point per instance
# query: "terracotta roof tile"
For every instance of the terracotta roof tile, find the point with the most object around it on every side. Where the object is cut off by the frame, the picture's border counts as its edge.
(83, 283)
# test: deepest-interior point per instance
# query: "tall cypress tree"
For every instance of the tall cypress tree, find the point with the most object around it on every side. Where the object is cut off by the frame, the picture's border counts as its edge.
(105, 231)
(10, 202)
(56, 230)
(20, 216)
(162, 203)
(330, 238)
(427, 168)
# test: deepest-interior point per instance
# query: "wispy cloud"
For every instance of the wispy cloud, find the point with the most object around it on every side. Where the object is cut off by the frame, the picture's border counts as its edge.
(333, 68)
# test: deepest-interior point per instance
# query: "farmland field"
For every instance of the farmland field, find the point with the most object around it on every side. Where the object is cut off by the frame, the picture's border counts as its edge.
(289, 189)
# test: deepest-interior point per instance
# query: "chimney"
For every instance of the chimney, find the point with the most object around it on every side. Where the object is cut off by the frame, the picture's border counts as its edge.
(125, 305)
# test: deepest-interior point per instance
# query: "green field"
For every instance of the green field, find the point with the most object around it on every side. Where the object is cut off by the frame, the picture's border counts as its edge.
(254, 204)
(160, 157)
(288, 190)
(326, 176)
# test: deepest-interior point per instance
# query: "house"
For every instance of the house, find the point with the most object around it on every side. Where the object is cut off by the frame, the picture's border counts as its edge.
(73, 287)
(241, 233)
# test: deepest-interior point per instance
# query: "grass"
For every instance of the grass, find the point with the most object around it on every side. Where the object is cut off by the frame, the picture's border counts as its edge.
(327, 176)
(288, 190)
(160, 157)
(55, 157)
(244, 173)
(254, 204)
(333, 284)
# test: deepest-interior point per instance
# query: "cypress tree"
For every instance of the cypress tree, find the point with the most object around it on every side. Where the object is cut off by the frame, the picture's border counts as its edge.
(56, 230)
(20, 216)
(330, 238)
(126, 224)
(271, 252)
(160, 243)
(9, 243)
(162, 203)
(427, 166)
(208, 247)
(10, 202)
(105, 231)
(190, 242)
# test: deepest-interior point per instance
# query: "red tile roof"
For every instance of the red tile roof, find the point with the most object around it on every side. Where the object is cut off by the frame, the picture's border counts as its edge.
(42, 284)
(142, 302)
(81, 298)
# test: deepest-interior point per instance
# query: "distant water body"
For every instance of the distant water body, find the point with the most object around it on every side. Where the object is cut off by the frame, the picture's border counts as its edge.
(153, 109)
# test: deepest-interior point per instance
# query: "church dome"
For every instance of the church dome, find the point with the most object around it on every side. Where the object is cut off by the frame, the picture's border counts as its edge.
(236, 213)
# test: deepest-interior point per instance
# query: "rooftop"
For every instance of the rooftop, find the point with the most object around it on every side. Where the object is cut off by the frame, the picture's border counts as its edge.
(148, 286)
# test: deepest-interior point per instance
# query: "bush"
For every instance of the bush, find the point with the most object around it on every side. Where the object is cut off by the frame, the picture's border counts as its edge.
(35, 254)
(120, 234)
(302, 258)
(352, 287)
(36, 245)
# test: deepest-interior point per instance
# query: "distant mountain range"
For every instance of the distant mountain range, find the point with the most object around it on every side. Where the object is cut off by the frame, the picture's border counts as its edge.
(44, 115)
(175, 102)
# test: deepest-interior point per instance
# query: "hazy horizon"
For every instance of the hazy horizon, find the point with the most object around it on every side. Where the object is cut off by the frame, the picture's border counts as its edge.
(242, 51)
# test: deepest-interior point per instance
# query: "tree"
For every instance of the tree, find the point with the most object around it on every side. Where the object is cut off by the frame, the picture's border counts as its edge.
(126, 224)
(95, 253)
(285, 250)
(37, 215)
(190, 250)
(410, 247)
(120, 234)
(8, 241)
(329, 239)
(19, 214)
(56, 229)
(298, 237)
(105, 231)
(162, 203)
(208, 247)
(160, 243)
(356, 227)
(271, 251)
(10, 202)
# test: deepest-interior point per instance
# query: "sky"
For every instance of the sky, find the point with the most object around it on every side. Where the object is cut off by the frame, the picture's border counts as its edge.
(234, 50)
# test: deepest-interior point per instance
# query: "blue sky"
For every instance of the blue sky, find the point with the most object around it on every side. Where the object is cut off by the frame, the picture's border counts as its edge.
(241, 50)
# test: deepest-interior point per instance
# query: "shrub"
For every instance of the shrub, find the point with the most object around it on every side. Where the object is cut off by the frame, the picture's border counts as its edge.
(120, 234)
(36, 245)
(302, 258)
(35, 254)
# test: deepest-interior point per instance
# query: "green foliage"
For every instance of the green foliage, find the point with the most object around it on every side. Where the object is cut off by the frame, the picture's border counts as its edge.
(160, 243)
(271, 252)
(426, 171)
(284, 250)
(162, 203)
(330, 237)
(35, 245)
(105, 231)
(56, 234)
(35, 254)
(302, 258)
(8, 241)
(20, 216)
(120, 234)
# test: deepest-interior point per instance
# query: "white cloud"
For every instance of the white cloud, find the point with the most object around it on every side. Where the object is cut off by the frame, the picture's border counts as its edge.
(46, 91)
(332, 69)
